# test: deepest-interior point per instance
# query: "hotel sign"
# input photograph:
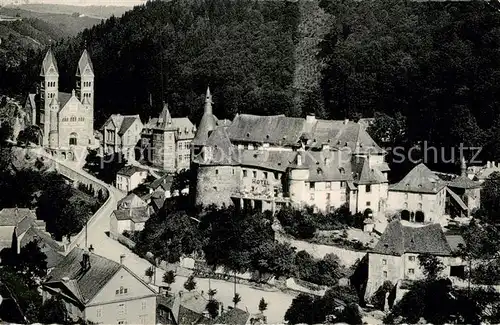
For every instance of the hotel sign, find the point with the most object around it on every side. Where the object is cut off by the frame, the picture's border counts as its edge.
(262, 182)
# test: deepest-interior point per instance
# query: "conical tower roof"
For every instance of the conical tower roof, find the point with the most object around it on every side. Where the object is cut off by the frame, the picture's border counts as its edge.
(165, 116)
(208, 122)
(83, 63)
(48, 61)
(54, 102)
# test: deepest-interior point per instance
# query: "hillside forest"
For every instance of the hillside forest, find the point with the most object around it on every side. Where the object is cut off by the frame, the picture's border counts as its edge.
(427, 70)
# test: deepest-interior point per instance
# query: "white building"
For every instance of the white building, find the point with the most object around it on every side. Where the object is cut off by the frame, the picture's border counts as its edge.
(129, 177)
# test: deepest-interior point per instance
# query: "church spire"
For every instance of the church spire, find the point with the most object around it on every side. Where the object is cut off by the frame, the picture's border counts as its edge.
(208, 102)
(48, 62)
(165, 116)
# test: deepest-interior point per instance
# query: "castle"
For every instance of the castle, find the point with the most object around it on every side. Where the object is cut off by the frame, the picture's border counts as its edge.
(265, 162)
(66, 120)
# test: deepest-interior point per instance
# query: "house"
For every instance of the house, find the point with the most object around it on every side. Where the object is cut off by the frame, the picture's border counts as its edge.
(183, 308)
(420, 196)
(129, 177)
(166, 141)
(133, 219)
(266, 162)
(395, 257)
(19, 227)
(234, 316)
(131, 201)
(480, 174)
(122, 133)
(65, 120)
(99, 290)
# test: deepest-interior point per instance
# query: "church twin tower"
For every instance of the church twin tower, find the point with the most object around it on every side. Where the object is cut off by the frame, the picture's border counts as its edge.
(65, 119)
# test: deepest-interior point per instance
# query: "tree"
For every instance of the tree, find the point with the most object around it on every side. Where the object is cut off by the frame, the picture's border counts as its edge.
(490, 199)
(213, 308)
(262, 305)
(431, 265)
(349, 315)
(6, 131)
(53, 311)
(169, 278)
(301, 310)
(149, 272)
(31, 261)
(236, 299)
(190, 284)
(30, 134)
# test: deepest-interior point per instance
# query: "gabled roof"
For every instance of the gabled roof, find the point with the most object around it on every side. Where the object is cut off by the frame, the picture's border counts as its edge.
(364, 174)
(83, 63)
(12, 216)
(64, 98)
(233, 316)
(84, 284)
(121, 122)
(48, 61)
(419, 180)
(131, 201)
(47, 245)
(187, 307)
(458, 181)
(164, 182)
(137, 215)
(130, 170)
(398, 239)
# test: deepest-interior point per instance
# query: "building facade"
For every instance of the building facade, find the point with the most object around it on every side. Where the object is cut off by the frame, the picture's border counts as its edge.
(122, 134)
(66, 120)
(270, 161)
(395, 257)
(101, 291)
(129, 177)
(166, 141)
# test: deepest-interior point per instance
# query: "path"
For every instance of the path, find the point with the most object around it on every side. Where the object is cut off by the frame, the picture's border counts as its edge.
(107, 247)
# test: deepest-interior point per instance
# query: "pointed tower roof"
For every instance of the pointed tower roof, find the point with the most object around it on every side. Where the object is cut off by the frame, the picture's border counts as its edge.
(84, 62)
(165, 116)
(48, 61)
(208, 122)
(53, 102)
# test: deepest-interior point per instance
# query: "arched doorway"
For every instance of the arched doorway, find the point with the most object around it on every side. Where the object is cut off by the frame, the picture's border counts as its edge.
(405, 215)
(419, 216)
(73, 139)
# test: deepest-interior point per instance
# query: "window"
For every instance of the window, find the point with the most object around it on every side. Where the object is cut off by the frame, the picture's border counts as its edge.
(216, 172)
(121, 291)
(385, 274)
(122, 310)
(122, 322)
(244, 173)
(73, 118)
(368, 203)
(328, 185)
(312, 196)
(411, 258)
(312, 186)
(254, 174)
(232, 171)
(405, 205)
(342, 184)
(419, 206)
(368, 188)
(142, 319)
(384, 262)
(265, 175)
(328, 196)
(406, 196)
(411, 271)
(420, 197)
(332, 209)
(99, 312)
(143, 305)
(186, 156)
(180, 157)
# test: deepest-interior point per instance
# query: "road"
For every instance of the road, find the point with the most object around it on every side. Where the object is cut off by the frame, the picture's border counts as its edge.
(278, 302)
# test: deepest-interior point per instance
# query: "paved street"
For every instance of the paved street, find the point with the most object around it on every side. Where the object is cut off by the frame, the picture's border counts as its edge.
(105, 246)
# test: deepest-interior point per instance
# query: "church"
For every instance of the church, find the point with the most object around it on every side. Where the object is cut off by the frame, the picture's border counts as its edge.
(66, 120)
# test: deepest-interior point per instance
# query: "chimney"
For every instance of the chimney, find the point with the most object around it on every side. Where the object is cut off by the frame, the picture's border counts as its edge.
(299, 159)
(86, 260)
(346, 121)
(122, 257)
(16, 212)
(488, 164)
(180, 293)
(310, 118)
(65, 278)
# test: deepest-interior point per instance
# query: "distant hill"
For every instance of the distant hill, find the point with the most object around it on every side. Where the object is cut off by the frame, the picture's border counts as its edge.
(99, 12)
(69, 25)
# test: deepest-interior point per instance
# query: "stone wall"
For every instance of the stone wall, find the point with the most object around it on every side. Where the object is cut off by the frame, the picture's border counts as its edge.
(216, 184)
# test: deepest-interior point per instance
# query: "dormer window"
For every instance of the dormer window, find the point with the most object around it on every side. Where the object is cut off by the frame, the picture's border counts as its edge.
(342, 170)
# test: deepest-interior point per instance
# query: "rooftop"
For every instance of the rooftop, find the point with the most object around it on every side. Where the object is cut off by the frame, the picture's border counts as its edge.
(12, 216)
(419, 180)
(130, 170)
(131, 201)
(122, 122)
(136, 215)
(398, 239)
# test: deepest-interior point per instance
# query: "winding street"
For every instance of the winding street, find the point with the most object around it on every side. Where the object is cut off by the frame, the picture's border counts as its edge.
(278, 302)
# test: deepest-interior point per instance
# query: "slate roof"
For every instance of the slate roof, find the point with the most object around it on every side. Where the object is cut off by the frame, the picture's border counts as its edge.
(233, 316)
(131, 201)
(12, 216)
(48, 60)
(271, 160)
(419, 180)
(47, 245)
(64, 98)
(121, 122)
(83, 62)
(288, 131)
(84, 284)
(188, 308)
(137, 215)
(164, 182)
(130, 170)
(455, 241)
(398, 239)
(208, 122)
(458, 181)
